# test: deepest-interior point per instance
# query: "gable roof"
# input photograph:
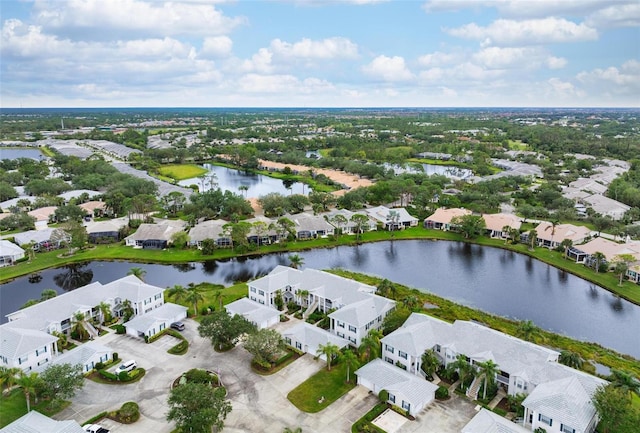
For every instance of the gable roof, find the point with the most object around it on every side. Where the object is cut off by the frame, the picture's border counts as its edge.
(313, 336)
(497, 221)
(546, 231)
(210, 229)
(444, 216)
(488, 422)
(39, 236)
(161, 231)
(9, 248)
(252, 311)
(364, 311)
(78, 355)
(567, 399)
(164, 313)
(35, 422)
(397, 381)
(14, 343)
(382, 213)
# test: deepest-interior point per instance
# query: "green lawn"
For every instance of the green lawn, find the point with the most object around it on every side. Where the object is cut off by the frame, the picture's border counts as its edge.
(181, 171)
(208, 290)
(328, 384)
(14, 405)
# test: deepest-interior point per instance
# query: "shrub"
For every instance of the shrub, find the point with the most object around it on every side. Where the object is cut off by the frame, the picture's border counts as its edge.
(129, 412)
(133, 374)
(99, 366)
(120, 329)
(115, 356)
(96, 418)
(107, 375)
(123, 376)
(442, 393)
(383, 395)
(197, 375)
(179, 348)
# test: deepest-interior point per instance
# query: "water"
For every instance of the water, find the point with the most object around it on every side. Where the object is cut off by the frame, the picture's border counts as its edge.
(257, 184)
(494, 280)
(449, 171)
(19, 152)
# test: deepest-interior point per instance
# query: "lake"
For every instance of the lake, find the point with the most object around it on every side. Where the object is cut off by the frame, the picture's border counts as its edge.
(491, 279)
(257, 185)
(20, 152)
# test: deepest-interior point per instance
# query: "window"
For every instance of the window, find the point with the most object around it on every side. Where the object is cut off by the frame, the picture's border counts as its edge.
(389, 360)
(544, 419)
(437, 348)
(340, 324)
(352, 328)
(405, 405)
(21, 360)
(158, 296)
(388, 348)
(262, 301)
(253, 290)
(298, 345)
(402, 355)
(353, 340)
(261, 292)
(566, 429)
(287, 340)
(392, 398)
(147, 301)
(340, 334)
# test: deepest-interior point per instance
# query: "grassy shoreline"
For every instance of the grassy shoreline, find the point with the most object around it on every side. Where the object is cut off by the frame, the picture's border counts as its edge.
(608, 281)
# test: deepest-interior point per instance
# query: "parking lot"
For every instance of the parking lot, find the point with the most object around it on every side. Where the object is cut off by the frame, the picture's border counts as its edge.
(259, 402)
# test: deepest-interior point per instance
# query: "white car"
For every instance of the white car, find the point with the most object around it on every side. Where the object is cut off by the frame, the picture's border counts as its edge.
(127, 366)
(94, 428)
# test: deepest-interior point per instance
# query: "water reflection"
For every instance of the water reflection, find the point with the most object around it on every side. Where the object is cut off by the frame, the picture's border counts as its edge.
(616, 303)
(73, 276)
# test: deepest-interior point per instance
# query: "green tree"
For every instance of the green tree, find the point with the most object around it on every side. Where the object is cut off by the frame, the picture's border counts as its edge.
(350, 359)
(533, 238)
(285, 228)
(127, 310)
(570, 359)
(223, 330)
(615, 411)
(295, 261)
(488, 371)
(78, 326)
(566, 245)
(622, 262)
(265, 345)
(292, 430)
(624, 381)
(47, 294)
(137, 272)
(387, 289)
(193, 296)
(528, 331)
(279, 300)
(62, 340)
(598, 259)
(105, 312)
(340, 222)
(208, 247)
(8, 377)
(197, 407)
(370, 344)
(470, 226)
(329, 350)
(464, 368)
(360, 222)
(29, 384)
(395, 319)
(61, 381)
(430, 363)
(411, 302)
(180, 239)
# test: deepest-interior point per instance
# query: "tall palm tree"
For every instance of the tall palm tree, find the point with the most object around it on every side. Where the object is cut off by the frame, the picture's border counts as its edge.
(329, 350)
(304, 296)
(137, 272)
(295, 261)
(177, 292)
(8, 376)
(370, 344)
(218, 298)
(28, 383)
(193, 296)
(105, 312)
(351, 361)
(488, 370)
(78, 325)
(598, 259)
(528, 331)
(411, 302)
(464, 369)
(62, 340)
(533, 237)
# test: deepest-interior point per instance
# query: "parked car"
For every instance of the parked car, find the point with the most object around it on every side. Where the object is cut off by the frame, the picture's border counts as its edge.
(94, 428)
(127, 366)
(178, 326)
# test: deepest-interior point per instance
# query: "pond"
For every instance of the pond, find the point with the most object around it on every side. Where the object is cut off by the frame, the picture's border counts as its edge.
(449, 171)
(20, 152)
(494, 280)
(257, 185)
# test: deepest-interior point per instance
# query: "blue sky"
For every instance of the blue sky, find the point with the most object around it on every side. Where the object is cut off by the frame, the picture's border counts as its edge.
(320, 53)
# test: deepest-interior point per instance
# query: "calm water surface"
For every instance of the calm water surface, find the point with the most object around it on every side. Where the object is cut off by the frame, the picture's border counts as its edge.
(491, 279)
(19, 152)
(257, 184)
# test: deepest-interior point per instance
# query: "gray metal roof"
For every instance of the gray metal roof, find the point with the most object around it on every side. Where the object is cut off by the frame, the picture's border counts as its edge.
(14, 343)
(78, 355)
(35, 422)
(9, 248)
(252, 311)
(488, 422)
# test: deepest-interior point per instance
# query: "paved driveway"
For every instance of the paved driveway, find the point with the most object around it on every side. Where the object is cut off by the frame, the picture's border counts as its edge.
(259, 402)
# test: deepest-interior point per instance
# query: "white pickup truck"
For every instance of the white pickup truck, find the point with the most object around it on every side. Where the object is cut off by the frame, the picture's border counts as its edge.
(94, 428)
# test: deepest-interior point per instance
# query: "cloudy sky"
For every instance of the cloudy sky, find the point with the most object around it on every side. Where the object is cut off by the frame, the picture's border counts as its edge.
(320, 53)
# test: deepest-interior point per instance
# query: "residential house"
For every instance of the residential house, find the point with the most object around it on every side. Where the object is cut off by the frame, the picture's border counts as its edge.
(496, 224)
(392, 219)
(87, 355)
(353, 307)
(100, 231)
(606, 206)
(309, 226)
(487, 421)
(210, 229)
(551, 235)
(9, 253)
(258, 314)
(94, 208)
(76, 194)
(155, 320)
(584, 253)
(43, 240)
(350, 227)
(308, 338)
(267, 236)
(442, 217)
(27, 339)
(156, 236)
(588, 185)
(43, 215)
(35, 422)
(405, 390)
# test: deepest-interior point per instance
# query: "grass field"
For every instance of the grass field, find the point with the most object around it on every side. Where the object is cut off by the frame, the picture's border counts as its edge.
(14, 405)
(328, 384)
(181, 171)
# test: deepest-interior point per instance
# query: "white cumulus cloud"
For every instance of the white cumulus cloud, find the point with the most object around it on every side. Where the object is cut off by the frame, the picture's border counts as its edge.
(437, 58)
(217, 46)
(336, 47)
(388, 68)
(528, 32)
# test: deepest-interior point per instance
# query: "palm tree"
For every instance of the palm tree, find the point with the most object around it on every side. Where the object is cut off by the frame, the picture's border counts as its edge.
(506, 229)
(8, 376)
(411, 302)
(304, 295)
(533, 237)
(625, 381)
(566, 245)
(243, 189)
(193, 296)
(78, 325)
(598, 259)
(351, 361)
(295, 261)
(464, 369)
(105, 312)
(62, 340)
(570, 359)
(329, 350)
(430, 362)
(177, 292)
(370, 344)
(528, 331)
(290, 430)
(28, 383)
(393, 217)
(488, 370)
(218, 299)
(139, 273)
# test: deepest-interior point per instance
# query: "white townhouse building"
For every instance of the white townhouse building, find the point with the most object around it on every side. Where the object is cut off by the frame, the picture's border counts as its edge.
(559, 397)
(385, 216)
(9, 253)
(27, 340)
(350, 226)
(353, 307)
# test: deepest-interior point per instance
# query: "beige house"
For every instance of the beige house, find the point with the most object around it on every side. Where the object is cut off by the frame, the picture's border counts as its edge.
(551, 236)
(495, 224)
(441, 218)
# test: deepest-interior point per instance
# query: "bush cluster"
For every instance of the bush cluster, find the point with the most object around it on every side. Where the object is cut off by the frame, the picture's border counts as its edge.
(442, 393)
